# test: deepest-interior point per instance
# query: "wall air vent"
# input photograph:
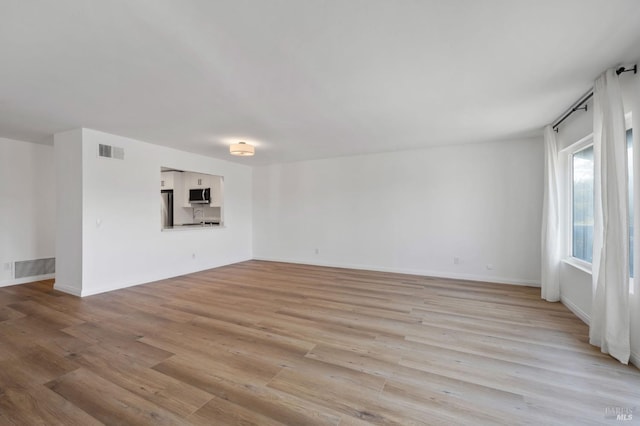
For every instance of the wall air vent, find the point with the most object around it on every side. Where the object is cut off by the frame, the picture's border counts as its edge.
(34, 268)
(108, 151)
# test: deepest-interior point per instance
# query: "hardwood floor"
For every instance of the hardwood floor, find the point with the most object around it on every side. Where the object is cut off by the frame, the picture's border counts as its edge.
(271, 343)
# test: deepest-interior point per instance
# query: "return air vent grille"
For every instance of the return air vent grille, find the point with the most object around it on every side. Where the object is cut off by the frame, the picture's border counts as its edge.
(33, 268)
(108, 151)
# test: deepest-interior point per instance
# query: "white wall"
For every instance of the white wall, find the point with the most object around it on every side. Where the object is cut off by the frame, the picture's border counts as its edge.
(68, 174)
(27, 206)
(575, 283)
(411, 211)
(122, 244)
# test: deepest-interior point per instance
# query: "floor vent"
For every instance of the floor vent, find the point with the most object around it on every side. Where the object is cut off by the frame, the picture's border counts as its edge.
(108, 151)
(34, 268)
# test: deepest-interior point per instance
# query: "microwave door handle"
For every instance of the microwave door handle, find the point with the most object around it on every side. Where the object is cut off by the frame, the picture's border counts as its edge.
(203, 199)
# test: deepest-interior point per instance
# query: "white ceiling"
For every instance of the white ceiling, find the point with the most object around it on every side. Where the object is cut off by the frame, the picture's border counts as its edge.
(304, 79)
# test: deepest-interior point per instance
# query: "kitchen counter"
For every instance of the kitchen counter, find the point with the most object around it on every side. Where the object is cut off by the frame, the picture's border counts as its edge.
(193, 226)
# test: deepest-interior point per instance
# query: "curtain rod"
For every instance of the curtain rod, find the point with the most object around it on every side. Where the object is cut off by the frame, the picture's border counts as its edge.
(578, 105)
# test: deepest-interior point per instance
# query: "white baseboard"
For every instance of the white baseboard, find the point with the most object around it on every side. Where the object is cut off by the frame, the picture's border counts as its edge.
(635, 359)
(100, 290)
(67, 289)
(575, 309)
(120, 286)
(420, 272)
(26, 280)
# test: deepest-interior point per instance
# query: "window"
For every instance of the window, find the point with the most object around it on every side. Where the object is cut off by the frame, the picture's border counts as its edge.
(582, 204)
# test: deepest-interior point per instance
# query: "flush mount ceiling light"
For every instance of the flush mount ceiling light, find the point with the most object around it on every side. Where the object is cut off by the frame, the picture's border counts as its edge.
(242, 148)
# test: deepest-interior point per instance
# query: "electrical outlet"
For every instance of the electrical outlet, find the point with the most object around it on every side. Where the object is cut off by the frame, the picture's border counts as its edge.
(456, 260)
(7, 266)
(317, 251)
(193, 256)
(489, 266)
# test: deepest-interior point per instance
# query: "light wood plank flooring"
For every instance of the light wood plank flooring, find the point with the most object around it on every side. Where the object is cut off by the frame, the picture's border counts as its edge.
(272, 343)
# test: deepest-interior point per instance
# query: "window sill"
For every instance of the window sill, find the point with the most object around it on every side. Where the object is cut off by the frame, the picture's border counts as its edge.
(578, 264)
(586, 267)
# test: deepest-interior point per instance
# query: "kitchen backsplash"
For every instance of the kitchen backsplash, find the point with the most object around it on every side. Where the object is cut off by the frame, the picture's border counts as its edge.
(185, 214)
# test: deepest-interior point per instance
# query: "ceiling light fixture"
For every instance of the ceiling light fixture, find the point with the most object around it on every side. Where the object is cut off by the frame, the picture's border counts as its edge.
(242, 148)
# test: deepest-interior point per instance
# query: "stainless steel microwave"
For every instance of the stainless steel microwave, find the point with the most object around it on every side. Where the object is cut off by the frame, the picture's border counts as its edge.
(200, 196)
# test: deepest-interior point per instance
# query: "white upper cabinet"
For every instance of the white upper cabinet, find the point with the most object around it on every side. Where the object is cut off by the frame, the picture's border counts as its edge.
(167, 180)
(197, 180)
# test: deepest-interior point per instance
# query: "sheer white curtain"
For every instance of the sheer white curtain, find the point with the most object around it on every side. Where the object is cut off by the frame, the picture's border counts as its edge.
(610, 316)
(634, 303)
(550, 220)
